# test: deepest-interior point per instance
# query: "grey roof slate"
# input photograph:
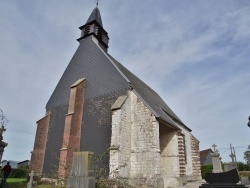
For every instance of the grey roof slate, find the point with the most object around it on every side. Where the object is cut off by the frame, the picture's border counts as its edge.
(95, 16)
(93, 64)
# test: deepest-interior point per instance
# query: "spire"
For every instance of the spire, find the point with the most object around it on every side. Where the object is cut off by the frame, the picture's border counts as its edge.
(95, 16)
(94, 27)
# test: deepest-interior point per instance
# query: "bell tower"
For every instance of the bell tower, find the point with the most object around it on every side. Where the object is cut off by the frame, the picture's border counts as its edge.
(94, 27)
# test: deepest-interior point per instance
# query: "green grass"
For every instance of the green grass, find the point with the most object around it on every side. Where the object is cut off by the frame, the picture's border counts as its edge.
(15, 180)
(22, 183)
(16, 183)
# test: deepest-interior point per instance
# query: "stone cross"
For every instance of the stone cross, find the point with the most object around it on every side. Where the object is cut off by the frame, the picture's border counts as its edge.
(214, 146)
(216, 160)
(30, 184)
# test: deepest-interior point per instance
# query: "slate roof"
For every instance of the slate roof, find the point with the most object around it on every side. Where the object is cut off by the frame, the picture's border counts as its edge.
(100, 68)
(92, 63)
(95, 16)
(153, 101)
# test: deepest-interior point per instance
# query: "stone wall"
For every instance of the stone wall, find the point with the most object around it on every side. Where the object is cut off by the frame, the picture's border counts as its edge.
(195, 158)
(143, 146)
(190, 146)
(135, 140)
(169, 152)
(121, 140)
(187, 150)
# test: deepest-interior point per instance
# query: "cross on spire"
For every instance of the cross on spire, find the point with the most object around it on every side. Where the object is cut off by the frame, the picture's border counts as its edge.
(214, 146)
(97, 1)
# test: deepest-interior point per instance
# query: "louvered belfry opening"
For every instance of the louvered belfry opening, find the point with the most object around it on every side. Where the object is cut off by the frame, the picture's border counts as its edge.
(86, 30)
(99, 33)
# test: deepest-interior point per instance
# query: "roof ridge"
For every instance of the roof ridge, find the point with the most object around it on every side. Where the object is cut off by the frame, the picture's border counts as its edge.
(152, 99)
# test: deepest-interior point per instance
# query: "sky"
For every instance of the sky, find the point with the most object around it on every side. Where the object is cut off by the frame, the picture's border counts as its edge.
(194, 54)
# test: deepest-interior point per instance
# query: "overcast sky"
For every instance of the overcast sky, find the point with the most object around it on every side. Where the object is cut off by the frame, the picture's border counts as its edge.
(195, 54)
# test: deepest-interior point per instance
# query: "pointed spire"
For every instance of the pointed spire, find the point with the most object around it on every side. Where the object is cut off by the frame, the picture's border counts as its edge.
(95, 16)
(94, 27)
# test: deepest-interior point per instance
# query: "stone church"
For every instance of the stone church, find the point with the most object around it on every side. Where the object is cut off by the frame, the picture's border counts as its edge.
(99, 105)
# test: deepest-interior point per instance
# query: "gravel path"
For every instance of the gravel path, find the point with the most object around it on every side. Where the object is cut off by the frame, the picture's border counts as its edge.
(194, 184)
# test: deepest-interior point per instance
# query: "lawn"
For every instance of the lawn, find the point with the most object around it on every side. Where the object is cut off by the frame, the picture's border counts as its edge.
(22, 183)
(17, 183)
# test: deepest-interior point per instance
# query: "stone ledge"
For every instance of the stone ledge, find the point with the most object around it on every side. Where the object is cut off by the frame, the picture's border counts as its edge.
(114, 147)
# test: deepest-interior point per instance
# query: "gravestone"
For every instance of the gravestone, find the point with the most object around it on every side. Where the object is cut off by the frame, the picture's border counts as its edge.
(216, 160)
(222, 180)
(82, 173)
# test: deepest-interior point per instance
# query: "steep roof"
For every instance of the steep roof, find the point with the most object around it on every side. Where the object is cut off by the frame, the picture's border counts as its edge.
(91, 62)
(95, 16)
(154, 102)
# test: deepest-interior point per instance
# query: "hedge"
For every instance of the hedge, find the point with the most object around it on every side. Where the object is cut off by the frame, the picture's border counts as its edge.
(19, 173)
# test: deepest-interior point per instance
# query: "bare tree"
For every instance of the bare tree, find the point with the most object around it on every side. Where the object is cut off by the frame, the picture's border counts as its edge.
(3, 123)
(3, 119)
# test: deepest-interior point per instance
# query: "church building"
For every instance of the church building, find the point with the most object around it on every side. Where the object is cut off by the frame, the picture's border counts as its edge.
(98, 105)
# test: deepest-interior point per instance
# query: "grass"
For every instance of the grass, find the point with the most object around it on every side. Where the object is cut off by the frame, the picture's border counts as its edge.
(21, 183)
(16, 182)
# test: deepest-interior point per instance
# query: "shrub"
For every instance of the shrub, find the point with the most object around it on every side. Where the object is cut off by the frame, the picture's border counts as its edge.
(206, 169)
(19, 173)
(243, 166)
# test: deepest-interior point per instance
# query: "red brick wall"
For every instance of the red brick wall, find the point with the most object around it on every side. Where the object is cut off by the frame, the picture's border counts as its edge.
(72, 128)
(37, 157)
(181, 149)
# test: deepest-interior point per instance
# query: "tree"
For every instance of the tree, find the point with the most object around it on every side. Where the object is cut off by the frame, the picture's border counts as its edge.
(3, 123)
(247, 155)
(3, 119)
